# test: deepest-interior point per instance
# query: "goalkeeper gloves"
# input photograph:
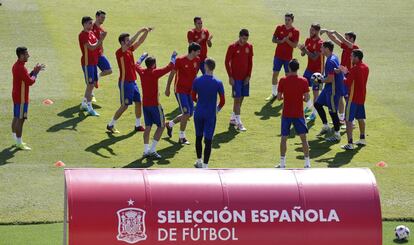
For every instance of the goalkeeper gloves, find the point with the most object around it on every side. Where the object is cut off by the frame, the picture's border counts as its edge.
(173, 57)
(142, 58)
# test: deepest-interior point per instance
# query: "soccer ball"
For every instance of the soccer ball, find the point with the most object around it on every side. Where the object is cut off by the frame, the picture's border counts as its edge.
(402, 232)
(317, 77)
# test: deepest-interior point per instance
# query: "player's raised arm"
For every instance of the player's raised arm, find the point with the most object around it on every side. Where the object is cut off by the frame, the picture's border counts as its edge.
(142, 37)
(333, 37)
(164, 70)
(343, 39)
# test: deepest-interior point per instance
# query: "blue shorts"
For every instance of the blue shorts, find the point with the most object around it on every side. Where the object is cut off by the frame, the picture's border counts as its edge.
(354, 111)
(202, 68)
(129, 92)
(185, 102)
(315, 87)
(326, 98)
(90, 74)
(240, 89)
(345, 91)
(298, 123)
(204, 126)
(20, 110)
(153, 115)
(103, 63)
(277, 65)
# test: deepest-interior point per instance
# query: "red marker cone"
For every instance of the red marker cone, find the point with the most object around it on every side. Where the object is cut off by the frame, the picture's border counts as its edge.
(59, 164)
(382, 164)
(48, 102)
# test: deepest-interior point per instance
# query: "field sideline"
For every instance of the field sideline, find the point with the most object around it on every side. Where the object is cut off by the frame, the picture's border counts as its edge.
(31, 187)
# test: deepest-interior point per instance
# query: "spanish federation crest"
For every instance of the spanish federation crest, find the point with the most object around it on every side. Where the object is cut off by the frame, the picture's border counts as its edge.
(131, 225)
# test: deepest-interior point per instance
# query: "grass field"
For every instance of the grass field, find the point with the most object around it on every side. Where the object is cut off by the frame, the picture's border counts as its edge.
(31, 187)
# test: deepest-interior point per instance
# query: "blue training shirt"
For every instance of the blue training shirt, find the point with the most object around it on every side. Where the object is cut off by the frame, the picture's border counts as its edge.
(332, 63)
(207, 87)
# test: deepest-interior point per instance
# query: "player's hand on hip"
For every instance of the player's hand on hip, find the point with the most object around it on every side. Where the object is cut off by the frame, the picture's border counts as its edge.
(231, 81)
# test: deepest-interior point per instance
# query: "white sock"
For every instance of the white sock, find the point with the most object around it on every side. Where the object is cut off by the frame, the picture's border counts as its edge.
(153, 146)
(325, 126)
(232, 116)
(14, 136)
(182, 134)
(309, 104)
(337, 133)
(341, 116)
(112, 122)
(84, 101)
(283, 161)
(90, 108)
(274, 90)
(171, 124)
(137, 122)
(307, 162)
(314, 111)
(146, 148)
(19, 140)
(200, 160)
(238, 120)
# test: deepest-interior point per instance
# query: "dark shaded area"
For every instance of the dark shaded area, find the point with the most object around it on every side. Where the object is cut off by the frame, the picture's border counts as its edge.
(224, 137)
(268, 111)
(107, 143)
(6, 154)
(171, 115)
(75, 116)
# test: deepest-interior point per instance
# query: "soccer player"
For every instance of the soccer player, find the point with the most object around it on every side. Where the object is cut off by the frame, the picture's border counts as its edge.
(185, 71)
(331, 92)
(286, 37)
(356, 81)
(312, 48)
(239, 64)
(347, 44)
(22, 80)
(205, 91)
(153, 112)
(89, 45)
(293, 90)
(201, 36)
(103, 62)
(129, 92)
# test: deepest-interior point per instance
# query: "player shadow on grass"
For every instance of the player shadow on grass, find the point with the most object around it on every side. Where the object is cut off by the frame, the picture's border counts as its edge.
(268, 111)
(166, 153)
(107, 143)
(171, 115)
(341, 158)
(75, 117)
(7, 154)
(224, 137)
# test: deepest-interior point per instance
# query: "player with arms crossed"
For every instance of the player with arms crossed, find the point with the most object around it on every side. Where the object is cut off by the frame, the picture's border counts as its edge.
(89, 45)
(293, 90)
(356, 81)
(22, 80)
(332, 91)
(129, 92)
(239, 65)
(205, 91)
(153, 112)
(201, 36)
(286, 37)
(185, 71)
(312, 48)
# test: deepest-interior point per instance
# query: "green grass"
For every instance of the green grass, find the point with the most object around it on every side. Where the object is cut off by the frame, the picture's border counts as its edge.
(52, 234)
(31, 188)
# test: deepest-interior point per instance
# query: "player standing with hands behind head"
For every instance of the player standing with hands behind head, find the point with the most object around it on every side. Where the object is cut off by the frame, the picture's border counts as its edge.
(286, 37)
(128, 89)
(201, 36)
(293, 90)
(89, 45)
(22, 81)
(205, 90)
(239, 64)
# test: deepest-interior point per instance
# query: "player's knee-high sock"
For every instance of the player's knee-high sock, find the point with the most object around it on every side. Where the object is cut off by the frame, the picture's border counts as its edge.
(199, 146)
(321, 112)
(207, 150)
(335, 120)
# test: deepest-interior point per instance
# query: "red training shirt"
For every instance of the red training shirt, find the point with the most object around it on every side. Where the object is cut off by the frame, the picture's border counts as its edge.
(356, 81)
(97, 31)
(194, 36)
(21, 83)
(239, 60)
(126, 65)
(283, 50)
(186, 72)
(346, 59)
(149, 83)
(89, 57)
(293, 87)
(314, 45)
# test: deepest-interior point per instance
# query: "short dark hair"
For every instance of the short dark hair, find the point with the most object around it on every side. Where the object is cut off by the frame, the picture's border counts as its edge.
(86, 19)
(150, 61)
(20, 51)
(210, 63)
(329, 45)
(358, 53)
(351, 34)
(100, 12)
(122, 37)
(197, 18)
(244, 33)
(316, 26)
(193, 47)
(290, 15)
(294, 65)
